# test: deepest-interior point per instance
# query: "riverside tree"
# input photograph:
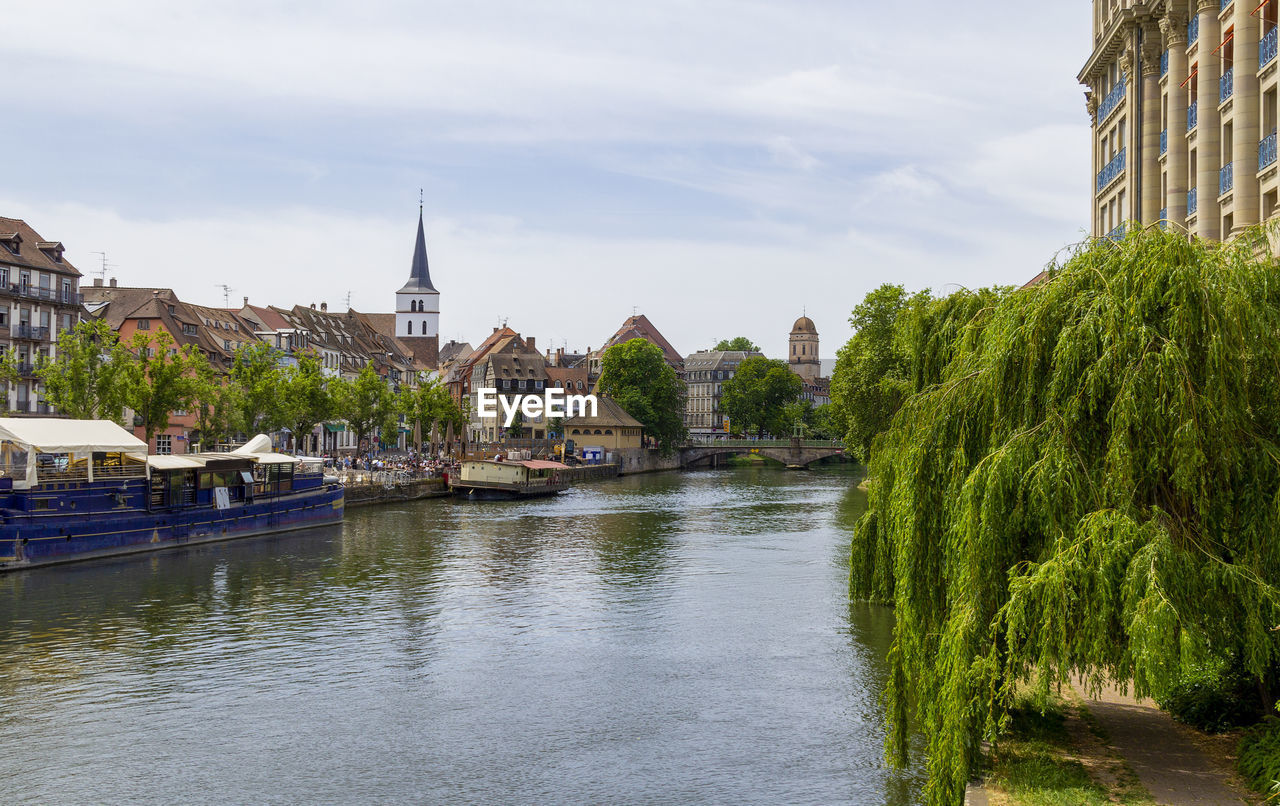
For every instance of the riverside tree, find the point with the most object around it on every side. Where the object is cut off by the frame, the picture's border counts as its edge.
(303, 398)
(740, 343)
(367, 404)
(1090, 488)
(86, 382)
(430, 404)
(757, 396)
(638, 377)
(160, 379)
(255, 373)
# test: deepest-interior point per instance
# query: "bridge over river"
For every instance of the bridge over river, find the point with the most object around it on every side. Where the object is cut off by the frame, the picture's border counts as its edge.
(794, 453)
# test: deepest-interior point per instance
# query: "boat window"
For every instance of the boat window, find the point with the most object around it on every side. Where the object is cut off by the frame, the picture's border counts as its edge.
(41, 503)
(246, 477)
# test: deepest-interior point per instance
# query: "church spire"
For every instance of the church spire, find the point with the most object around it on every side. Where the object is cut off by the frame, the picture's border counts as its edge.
(419, 273)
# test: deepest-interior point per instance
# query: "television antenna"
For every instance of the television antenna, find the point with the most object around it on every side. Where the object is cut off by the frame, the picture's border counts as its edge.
(348, 299)
(102, 270)
(226, 294)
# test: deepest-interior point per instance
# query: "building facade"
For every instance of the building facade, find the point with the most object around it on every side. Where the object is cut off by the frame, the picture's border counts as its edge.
(1183, 100)
(39, 299)
(705, 373)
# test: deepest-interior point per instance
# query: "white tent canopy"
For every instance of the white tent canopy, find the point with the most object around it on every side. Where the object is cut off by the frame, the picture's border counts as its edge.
(53, 435)
(259, 450)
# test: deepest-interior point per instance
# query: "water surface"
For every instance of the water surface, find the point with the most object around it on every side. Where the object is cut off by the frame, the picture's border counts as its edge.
(679, 638)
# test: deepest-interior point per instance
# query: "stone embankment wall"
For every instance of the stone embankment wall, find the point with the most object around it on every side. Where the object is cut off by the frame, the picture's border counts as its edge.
(358, 495)
(646, 460)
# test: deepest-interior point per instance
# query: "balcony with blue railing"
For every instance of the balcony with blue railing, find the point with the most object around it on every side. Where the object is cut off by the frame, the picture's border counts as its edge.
(1164, 141)
(1226, 179)
(1222, 5)
(1226, 85)
(1191, 202)
(1164, 63)
(1267, 151)
(1193, 29)
(1191, 115)
(1164, 218)
(1116, 234)
(1267, 49)
(1112, 171)
(1112, 100)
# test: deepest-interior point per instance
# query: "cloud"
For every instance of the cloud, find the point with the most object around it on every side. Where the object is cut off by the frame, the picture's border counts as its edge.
(714, 163)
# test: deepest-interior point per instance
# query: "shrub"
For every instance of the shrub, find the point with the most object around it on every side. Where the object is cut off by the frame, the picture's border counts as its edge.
(1260, 757)
(1214, 697)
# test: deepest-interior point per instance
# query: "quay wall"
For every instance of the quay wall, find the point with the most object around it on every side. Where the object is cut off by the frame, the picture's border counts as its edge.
(359, 495)
(646, 460)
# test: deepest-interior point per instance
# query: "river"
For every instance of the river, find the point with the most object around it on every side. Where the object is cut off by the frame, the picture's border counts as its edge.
(679, 638)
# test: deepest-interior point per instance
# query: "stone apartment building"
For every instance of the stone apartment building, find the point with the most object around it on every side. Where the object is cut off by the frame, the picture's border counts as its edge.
(39, 299)
(705, 372)
(1183, 100)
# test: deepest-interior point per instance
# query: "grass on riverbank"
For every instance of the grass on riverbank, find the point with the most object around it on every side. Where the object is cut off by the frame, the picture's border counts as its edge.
(1047, 757)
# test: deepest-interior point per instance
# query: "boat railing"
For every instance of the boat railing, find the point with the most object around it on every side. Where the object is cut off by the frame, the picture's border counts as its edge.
(100, 473)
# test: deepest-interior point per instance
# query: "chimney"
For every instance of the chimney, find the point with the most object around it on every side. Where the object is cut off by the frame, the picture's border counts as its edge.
(313, 306)
(97, 282)
(113, 282)
(533, 345)
(495, 330)
(246, 302)
(324, 306)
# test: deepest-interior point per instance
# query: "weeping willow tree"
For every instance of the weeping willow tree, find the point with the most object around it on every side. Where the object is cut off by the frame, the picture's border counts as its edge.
(1088, 488)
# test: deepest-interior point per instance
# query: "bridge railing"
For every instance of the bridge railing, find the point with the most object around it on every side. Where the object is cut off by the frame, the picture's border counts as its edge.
(763, 443)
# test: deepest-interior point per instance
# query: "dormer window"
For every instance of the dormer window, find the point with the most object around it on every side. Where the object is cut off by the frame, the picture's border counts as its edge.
(51, 249)
(11, 241)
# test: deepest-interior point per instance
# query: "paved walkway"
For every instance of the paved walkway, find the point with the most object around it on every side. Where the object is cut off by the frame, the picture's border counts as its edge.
(1168, 763)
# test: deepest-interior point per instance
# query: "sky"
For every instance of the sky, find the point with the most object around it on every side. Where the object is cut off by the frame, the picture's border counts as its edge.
(721, 167)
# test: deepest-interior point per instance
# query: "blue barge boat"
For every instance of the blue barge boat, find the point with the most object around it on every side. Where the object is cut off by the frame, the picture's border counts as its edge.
(78, 489)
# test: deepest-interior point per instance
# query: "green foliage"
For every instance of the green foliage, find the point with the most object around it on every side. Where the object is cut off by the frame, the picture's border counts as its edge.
(431, 404)
(740, 343)
(303, 398)
(757, 396)
(870, 380)
(215, 406)
(1214, 696)
(636, 375)
(368, 406)
(86, 382)
(1259, 758)
(256, 376)
(901, 345)
(1091, 478)
(160, 379)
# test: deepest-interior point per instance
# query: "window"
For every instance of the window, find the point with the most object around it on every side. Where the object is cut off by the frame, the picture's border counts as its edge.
(164, 444)
(171, 312)
(189, 329)
(226, 344)
(144, 324)
(410, 328)
(424, 327)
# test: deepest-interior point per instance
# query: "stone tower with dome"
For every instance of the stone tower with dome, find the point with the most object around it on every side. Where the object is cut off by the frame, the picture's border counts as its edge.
(803, 355)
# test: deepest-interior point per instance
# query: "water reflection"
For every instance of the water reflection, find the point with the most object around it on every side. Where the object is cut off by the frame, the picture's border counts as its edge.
(676, 638)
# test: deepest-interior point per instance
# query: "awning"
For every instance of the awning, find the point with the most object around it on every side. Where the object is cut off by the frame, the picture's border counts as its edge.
(1231, 32)
(1194, 70)
(541, 464)
(55, 435)
(174, 463)
(335, 428)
